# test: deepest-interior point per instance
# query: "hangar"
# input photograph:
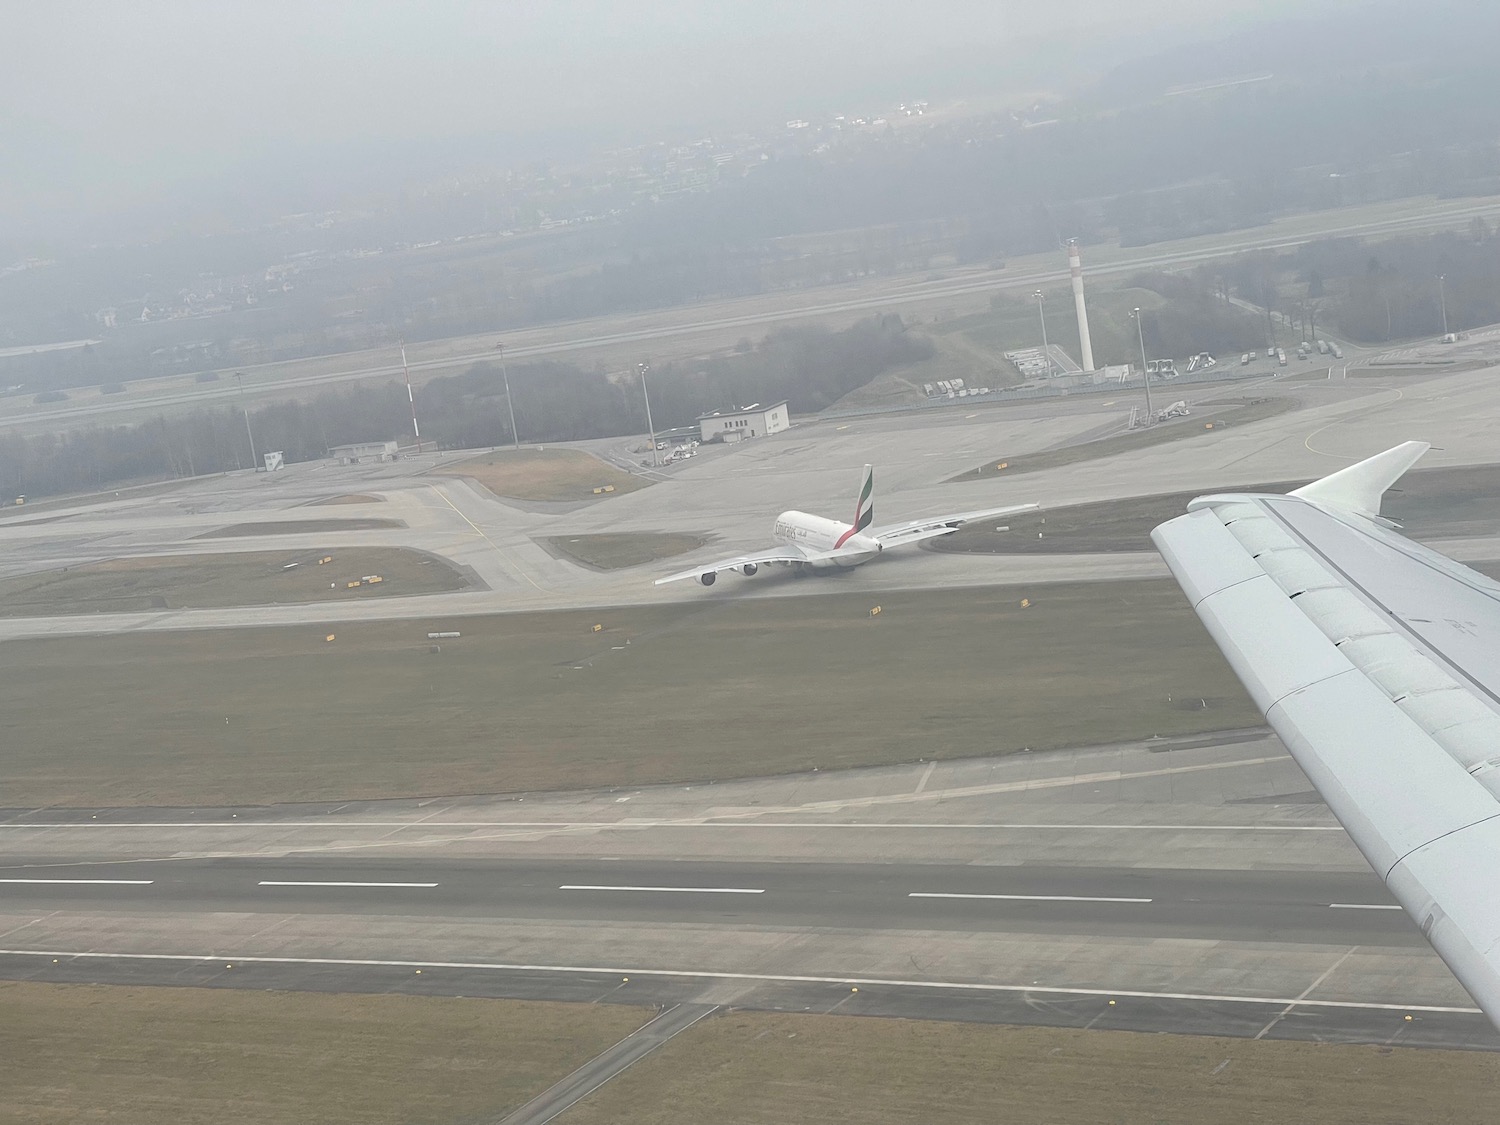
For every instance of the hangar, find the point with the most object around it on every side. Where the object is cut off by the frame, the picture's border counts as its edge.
(754, 420)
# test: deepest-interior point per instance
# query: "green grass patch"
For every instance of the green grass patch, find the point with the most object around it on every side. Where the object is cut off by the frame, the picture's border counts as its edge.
(625, 549)
(1207, 419)
(757, 1068)
(1455, 503)
(228, 1057)
(208, 581)
(545, 474)
(685, 691)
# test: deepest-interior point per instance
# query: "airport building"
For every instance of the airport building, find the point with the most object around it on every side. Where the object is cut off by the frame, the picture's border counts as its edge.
(753, 421)
(362, 451)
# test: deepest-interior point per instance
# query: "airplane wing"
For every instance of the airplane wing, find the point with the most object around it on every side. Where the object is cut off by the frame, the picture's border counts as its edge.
(783, 554)
(914, 531)
(1377, 661)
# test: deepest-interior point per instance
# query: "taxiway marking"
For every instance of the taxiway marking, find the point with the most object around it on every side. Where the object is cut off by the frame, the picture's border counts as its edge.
(772, 978)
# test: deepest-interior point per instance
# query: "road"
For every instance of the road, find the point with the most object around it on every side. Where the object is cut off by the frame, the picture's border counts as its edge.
(271, 380)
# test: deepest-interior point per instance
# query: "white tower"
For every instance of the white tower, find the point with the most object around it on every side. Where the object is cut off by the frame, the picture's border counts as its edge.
(1075, 267)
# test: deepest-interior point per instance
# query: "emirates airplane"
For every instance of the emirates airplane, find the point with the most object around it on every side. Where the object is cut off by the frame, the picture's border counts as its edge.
(815, 543)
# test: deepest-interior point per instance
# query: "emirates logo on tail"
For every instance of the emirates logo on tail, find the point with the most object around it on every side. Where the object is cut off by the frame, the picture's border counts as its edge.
(864, 508)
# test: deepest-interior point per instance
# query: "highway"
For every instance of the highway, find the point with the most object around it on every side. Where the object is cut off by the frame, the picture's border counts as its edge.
(588, 335)
(1337, 908)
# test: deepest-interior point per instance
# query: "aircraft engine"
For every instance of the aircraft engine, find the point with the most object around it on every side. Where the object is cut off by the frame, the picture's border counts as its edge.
(748, 569)
(707, 578)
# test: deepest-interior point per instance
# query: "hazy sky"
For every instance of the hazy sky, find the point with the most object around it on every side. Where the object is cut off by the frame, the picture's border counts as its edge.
(112, 102)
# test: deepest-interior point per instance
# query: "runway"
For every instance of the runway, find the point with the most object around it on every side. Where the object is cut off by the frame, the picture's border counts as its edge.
(1319, 907)
(1190, 886)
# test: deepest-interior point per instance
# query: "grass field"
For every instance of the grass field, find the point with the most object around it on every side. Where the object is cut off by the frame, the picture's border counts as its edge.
(544, 474)
(208, 581)
(617, 551)
(1207, 419)
(94, 1053)
(674, 692)
(768, 1069)
(1430, 504)
(298, 527)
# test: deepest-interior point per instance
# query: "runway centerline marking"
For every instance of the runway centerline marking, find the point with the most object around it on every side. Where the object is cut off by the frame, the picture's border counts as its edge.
(88, 882)
(1026, 898)
(675, 890)
(1363, 906)
(333, 883)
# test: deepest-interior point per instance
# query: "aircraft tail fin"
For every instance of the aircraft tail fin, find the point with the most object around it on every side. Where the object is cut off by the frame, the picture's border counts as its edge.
(1358, 488)
(864, 507)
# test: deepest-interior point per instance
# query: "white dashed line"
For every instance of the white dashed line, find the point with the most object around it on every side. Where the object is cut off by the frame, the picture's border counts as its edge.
(88, 882)
(1026, 898)
(674, 890)
(309, 883)
(1363, 906)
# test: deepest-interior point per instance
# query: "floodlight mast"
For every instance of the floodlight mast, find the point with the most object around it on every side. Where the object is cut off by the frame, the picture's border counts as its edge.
(644, 367)
(1041, 308)
(410, 398)
(515, 435)
(254, 457)
(1145, 375)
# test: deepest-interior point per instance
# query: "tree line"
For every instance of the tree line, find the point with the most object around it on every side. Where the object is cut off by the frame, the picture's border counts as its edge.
(810, 366)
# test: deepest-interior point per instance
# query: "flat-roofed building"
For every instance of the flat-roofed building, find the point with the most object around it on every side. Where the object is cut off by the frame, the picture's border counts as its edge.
(754, 420)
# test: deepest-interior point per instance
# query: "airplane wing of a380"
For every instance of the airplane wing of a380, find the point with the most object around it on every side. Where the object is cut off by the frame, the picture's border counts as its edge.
(789, 555)
(915, 531)
(1377, 661)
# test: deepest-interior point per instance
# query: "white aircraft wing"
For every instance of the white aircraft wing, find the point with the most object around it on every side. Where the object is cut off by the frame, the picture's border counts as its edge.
(914, 531)
(1377, 661)
(782, 554)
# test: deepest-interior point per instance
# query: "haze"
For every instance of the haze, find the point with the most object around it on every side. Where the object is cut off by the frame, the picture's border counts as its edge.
(111, 107)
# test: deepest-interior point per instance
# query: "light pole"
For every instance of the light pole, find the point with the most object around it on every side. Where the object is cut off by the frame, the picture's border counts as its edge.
(1140, 335)
(239, 377)
(1443, 301)
(644, 367)
(1041, 308)
(509, 405)
(411, 399)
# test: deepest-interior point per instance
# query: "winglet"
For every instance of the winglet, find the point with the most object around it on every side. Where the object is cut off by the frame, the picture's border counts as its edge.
(1358, 488)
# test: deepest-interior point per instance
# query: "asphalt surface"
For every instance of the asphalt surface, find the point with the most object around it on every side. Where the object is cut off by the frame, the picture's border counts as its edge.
(1332, 908)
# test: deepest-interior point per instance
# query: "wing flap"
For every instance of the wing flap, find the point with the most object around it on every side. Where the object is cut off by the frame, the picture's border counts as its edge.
(1380, 679)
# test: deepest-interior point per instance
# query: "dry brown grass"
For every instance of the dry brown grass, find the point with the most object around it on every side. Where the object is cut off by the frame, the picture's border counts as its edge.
(207, 581)
(95, 1053)
(617, 551)
(544, 474)
(1207, 419)
(298, 527)
(753, 1068)
(671, 692)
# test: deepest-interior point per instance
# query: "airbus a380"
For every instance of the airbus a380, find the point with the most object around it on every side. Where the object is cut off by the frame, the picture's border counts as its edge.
(818, 543)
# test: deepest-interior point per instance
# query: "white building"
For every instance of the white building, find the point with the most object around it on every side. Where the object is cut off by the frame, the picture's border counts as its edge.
(364, 451)
(754, 421)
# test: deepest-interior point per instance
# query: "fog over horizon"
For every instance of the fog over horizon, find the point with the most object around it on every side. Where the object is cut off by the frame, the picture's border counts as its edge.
(112, 113)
